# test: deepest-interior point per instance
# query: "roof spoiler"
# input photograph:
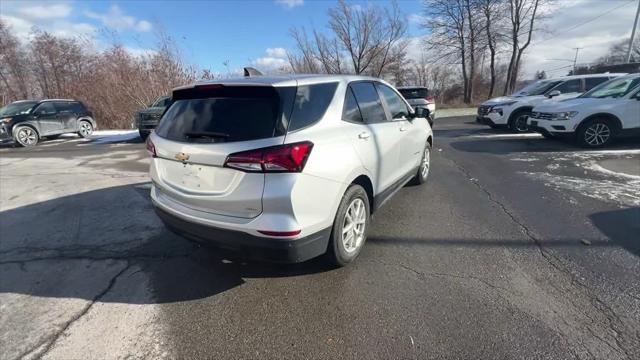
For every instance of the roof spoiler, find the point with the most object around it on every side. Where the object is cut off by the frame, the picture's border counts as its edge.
(249, 72)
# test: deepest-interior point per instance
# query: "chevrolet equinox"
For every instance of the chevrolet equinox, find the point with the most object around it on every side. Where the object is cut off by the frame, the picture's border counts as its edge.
(285, 168)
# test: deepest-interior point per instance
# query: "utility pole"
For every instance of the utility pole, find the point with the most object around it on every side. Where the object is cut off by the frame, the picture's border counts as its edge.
(633, 33)
(575, 59)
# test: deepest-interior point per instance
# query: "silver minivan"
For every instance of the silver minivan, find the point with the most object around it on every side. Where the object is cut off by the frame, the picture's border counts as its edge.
(284, 168)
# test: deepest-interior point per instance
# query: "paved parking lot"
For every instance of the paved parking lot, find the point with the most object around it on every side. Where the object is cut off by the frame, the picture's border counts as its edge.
(518, 247)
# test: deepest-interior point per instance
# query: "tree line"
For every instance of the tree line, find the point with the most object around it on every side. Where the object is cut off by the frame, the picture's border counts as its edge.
(112, 82)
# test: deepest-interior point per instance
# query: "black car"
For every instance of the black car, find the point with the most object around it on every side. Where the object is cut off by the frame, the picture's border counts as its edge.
(147, 119)
(28, 121)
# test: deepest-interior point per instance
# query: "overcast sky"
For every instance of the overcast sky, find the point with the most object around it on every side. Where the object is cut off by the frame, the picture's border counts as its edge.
(256, 32)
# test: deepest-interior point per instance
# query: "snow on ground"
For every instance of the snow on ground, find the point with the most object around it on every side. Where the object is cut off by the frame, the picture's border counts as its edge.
(111, 136)
(624, 193)
(508, 136)
(593, 166)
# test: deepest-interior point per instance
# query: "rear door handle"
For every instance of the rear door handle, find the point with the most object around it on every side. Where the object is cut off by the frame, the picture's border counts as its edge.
(364, 135)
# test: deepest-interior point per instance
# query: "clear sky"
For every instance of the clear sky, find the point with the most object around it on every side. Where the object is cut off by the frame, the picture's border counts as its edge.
(255, 32)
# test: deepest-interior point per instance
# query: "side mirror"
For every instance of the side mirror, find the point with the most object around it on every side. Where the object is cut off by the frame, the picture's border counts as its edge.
(553, 93)
(421, 112)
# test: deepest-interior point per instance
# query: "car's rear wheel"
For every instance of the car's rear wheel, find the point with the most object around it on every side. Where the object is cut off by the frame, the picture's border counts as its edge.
(596, 133)
(85, 129)
(349, 227)
(425, 165)
(25, 136)
(518, 122)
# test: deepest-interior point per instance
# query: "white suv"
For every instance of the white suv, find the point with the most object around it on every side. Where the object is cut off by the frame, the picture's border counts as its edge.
(285, 168)
(512, 111)
(595, 118)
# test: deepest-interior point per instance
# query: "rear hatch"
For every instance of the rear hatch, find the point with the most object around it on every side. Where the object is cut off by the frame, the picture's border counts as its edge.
(204, 125)
(417, 96)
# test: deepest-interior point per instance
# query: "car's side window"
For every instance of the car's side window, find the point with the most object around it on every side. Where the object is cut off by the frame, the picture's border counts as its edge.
(369, 102)
(351, 111)
(62, 107)
(397, 108)
(78, 108)
(46, 108)
(570, 86)
(310, 104)
(590, 83)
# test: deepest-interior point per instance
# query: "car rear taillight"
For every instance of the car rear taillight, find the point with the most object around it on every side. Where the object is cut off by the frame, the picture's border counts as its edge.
(151, 149)
(430, 99)
(282, 158)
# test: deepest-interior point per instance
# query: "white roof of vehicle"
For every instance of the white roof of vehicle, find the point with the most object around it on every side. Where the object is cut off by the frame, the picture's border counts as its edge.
(584, 76)
(281, 80)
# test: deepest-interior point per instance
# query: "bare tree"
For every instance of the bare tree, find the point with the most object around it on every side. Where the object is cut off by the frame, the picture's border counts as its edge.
(523, 15)
(493, 12)
(449, 37)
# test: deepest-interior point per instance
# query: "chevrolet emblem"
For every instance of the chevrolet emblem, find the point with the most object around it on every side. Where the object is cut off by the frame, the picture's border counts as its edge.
(181, 157)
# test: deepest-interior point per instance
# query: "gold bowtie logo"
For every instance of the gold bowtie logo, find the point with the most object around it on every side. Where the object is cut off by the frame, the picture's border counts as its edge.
(181, 157)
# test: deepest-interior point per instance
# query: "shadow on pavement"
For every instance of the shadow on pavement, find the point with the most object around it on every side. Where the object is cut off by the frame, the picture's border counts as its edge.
(619, 226)
(63, 247)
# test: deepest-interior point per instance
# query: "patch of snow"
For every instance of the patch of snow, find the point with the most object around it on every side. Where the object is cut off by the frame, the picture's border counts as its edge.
(553, 166)
(113, 136)
(512, 136)
(525, 159)
(597, 168)
(622, 193)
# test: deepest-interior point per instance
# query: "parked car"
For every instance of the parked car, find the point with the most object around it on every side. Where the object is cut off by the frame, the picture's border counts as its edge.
(28, 121)
(285, 168)
(147, 119)
(596, 118)
(512, 111)
(419, 96)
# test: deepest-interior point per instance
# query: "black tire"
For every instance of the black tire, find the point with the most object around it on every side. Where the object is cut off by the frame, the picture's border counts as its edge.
(86, 128)
(547, 135)
(518, 121)
(596, 133)
(421, 176)
(337, 253)
(25, 136)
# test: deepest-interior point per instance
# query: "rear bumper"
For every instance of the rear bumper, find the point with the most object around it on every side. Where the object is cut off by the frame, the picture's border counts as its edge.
(249, 246)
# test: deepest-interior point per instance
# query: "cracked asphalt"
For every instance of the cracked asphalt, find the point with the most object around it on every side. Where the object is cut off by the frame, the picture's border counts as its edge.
(517, 247)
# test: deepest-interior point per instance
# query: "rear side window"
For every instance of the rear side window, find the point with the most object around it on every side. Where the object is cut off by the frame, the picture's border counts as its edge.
(78, 107)
(415, 93)
(223, 114)
(62, 106)
(590, 83)
(571, 86)
(310, 104)
(369, 102)
(396, 105)
(351, 111)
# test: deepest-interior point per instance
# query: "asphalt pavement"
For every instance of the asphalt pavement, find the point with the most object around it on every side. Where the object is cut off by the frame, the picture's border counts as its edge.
(517, 247)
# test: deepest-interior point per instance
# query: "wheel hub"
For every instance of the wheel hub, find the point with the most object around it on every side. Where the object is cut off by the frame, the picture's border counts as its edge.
(353, 225)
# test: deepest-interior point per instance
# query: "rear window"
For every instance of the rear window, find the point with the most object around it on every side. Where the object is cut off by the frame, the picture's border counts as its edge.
(226, 114)
(415, 93)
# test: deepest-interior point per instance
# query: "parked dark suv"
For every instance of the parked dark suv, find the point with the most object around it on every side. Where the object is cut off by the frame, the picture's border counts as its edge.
(28, 121)
(147, 119)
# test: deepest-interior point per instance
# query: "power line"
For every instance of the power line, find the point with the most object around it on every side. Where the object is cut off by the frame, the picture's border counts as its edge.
(586, 22)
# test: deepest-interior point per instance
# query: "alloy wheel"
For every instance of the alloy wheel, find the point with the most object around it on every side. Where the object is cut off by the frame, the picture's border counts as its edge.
(597, 134)
(521, 123)
(26, 136)
(353, 225)
(85, 129)
(425, 165)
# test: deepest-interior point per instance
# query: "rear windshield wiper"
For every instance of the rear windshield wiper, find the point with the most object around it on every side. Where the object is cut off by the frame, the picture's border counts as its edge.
(206, 134)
